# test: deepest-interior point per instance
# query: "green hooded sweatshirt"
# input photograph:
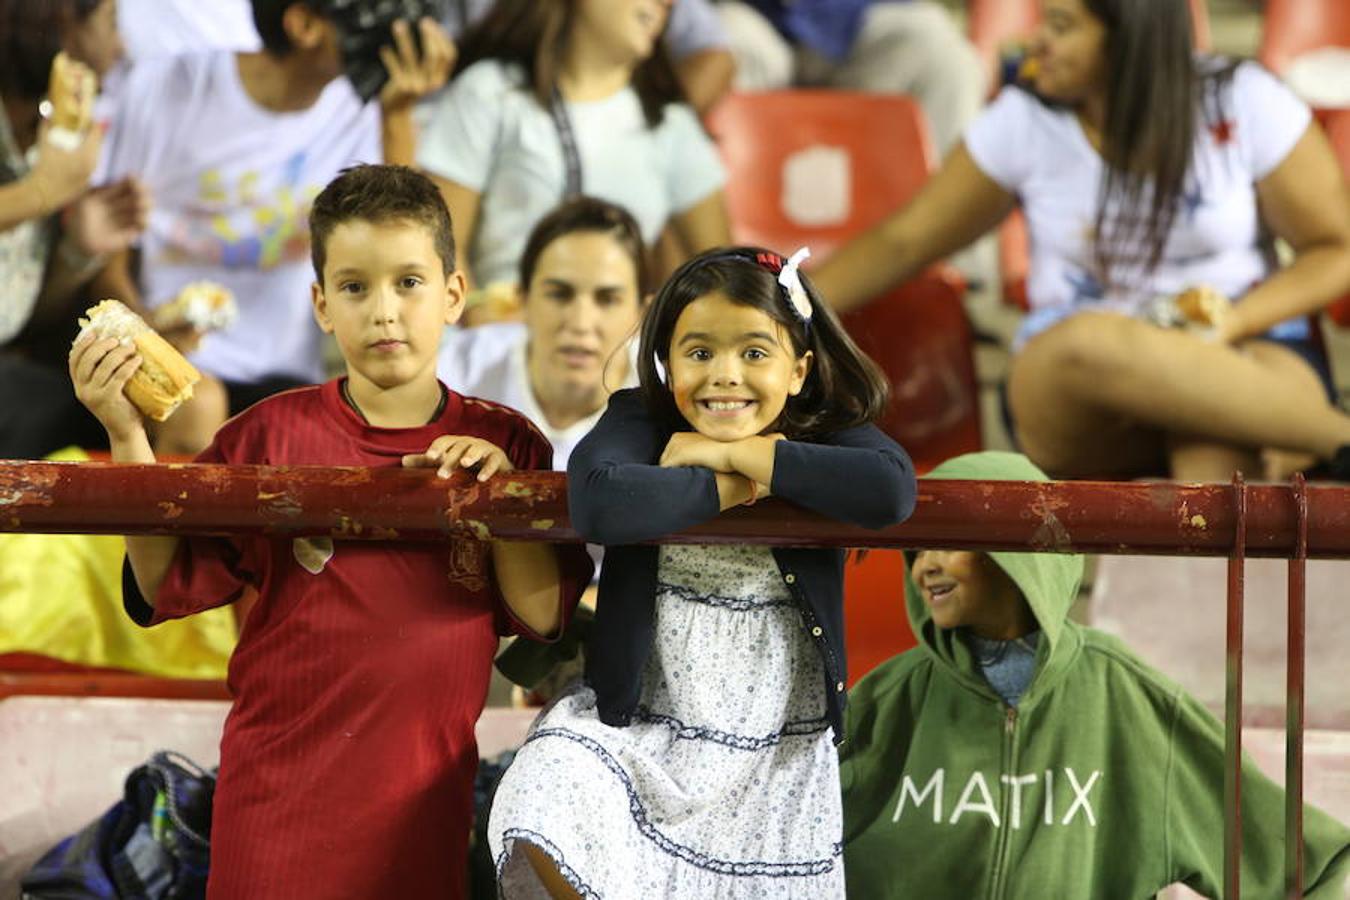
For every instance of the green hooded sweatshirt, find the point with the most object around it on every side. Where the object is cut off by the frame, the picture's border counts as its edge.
(1105, 782)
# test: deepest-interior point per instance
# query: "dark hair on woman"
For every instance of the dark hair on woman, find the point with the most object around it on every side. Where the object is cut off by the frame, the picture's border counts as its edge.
(1156, 94)
(533, 34)
(380, 193)
(31, 34)
(587, 215)
(844, 388)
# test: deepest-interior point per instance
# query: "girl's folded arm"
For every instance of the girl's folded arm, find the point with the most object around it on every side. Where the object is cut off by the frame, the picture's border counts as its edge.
(859, 476)
(616, 492)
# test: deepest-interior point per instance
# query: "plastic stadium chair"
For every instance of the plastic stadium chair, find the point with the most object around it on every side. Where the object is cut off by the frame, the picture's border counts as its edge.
(1293, 27)
(817, 168)
(1338, 130)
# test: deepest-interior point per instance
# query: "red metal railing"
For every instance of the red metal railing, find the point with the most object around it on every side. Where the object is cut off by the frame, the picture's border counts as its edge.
(1295, 521)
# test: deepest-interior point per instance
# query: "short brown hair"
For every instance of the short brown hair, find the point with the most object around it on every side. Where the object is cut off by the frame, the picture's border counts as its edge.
(380, 193)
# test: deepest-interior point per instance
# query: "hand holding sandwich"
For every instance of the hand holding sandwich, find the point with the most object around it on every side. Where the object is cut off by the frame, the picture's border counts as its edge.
(100, 368)
(103, 363)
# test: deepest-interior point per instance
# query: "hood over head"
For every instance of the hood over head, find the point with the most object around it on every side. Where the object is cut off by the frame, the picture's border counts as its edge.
(1048, 581)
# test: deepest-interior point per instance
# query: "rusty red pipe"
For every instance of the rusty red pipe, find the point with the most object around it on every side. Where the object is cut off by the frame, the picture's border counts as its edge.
(1108, 517)
(1293, 735)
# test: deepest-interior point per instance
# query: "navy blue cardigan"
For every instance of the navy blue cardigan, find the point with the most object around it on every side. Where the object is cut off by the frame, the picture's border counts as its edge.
(620, 497)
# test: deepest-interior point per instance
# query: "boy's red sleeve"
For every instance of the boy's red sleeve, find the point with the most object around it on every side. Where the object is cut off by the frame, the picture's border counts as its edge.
(206, 572)
(529, 449)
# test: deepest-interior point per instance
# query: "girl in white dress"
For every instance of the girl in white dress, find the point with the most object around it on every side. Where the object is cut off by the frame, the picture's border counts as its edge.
(696, 760)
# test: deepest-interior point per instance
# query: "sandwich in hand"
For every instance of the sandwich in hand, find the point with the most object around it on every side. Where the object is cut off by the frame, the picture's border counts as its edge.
(1202, 305)
(203, 305)
(70, 91)
(165, 378)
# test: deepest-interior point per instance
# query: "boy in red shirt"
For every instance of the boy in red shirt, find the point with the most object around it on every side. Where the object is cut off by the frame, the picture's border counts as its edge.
(348, 758)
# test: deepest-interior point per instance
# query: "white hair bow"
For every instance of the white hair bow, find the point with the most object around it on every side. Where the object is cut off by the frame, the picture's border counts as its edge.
(791, 280)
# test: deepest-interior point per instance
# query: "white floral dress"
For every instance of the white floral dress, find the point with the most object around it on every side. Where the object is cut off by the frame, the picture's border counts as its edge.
(725, 785)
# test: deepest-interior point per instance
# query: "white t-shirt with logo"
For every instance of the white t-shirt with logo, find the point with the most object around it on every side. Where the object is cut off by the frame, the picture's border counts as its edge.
(232, 184)
(489, 361)
(1041, 154)
(489, 134)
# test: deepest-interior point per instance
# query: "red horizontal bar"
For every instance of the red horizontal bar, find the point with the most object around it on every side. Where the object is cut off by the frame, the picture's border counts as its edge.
(354, 503)
(94, 684)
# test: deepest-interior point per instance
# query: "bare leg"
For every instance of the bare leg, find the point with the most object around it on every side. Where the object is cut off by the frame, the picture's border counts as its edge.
(193, 425)
(1193, 460)
(1083, 391)
(543, 865)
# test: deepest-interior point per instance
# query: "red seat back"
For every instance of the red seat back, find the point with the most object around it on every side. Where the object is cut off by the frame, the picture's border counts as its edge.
(1293, 27)
(818, 167)
(1338, 130)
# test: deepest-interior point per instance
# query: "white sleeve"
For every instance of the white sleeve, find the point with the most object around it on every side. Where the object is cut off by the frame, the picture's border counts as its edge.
(997, 138)
(461, 137)
(1269, 118)
(693, 168)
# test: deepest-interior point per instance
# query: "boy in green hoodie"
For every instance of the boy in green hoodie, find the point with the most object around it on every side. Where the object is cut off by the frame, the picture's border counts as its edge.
(1015, 754)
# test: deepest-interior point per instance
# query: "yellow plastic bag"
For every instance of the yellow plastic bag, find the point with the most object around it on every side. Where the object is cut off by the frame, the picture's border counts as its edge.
(61, 596)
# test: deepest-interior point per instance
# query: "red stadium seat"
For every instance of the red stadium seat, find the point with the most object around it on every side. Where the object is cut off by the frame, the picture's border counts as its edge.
(992, 25)
(1338, 130)
(816, 168)
(1293, 27)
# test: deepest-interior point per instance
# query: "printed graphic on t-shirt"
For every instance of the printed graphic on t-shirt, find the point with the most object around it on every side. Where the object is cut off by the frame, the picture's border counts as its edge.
(235, 222)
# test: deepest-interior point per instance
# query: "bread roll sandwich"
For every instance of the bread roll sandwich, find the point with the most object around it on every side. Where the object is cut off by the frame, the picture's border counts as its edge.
(70, 91)
(204, 305)
(1202, 305)
(165, 378)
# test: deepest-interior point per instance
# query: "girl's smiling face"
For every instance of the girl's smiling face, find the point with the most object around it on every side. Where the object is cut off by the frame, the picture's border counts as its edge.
(732, 368)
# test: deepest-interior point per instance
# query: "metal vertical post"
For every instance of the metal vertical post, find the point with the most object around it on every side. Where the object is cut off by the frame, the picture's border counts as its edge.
(1232, 775)
(1293, 735)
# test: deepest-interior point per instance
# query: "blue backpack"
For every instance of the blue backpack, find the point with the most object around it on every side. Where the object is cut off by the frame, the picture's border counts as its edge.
(154, 843)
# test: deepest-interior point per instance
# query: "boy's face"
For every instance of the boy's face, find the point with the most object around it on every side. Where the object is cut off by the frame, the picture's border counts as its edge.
(386, 299)
(963, 588)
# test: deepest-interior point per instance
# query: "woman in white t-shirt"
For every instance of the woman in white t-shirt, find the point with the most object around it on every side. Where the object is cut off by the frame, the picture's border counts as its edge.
(582, 275)
(566, 97)
(1144, 171)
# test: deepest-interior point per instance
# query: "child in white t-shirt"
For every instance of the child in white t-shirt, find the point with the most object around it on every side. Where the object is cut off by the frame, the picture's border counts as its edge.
(234, 147)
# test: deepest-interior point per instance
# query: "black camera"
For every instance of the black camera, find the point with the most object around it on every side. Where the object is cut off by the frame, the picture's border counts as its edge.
(367, 25)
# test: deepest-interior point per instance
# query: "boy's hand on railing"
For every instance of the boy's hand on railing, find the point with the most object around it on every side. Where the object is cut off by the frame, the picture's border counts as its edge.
(453, 451)
(99, 369)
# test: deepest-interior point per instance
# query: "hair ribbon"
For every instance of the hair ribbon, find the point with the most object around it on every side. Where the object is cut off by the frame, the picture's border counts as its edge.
(790, 279)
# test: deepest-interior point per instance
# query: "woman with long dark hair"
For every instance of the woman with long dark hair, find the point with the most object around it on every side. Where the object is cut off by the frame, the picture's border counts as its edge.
(1145, 171)
(555, 99)
(46, 258)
